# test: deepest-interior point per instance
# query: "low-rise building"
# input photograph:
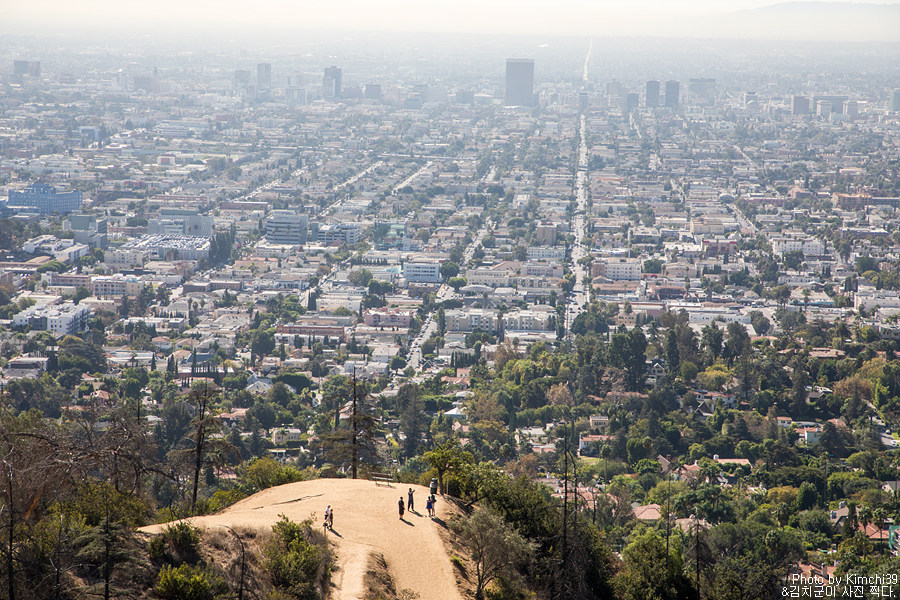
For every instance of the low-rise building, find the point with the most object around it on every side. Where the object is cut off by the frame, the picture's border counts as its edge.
(58, 319)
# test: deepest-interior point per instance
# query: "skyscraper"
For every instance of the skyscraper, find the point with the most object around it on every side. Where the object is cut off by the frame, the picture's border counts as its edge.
(519, 82)
(31, 68)
(673, 90)
(652, 94)
(895, 100)
(632, 99)
(800, 105)
(702, 91)
(264, 76)
(331, 83)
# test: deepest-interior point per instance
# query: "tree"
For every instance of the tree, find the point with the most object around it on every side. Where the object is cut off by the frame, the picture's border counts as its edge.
(262, 342)
(354, 443)
(449, 269)
(711, 339)
(80, 294)
(649, 573)
(799, 381)
(456, 283)
(445, 459)
(398, 363)
(494, 547)
(759, 322)
(207, 447)
(628, 351)
(673, 358)
(360, 277)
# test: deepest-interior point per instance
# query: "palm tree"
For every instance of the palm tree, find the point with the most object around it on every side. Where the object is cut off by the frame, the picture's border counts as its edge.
(879, 514)
(865, 517)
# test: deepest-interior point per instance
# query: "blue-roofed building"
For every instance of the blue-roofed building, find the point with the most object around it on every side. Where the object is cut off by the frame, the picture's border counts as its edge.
(44, 199)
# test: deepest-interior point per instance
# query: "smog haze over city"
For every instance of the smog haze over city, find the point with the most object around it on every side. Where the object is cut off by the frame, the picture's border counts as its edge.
(493, 300)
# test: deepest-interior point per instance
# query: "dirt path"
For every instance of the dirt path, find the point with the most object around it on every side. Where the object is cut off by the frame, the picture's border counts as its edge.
(365, 519)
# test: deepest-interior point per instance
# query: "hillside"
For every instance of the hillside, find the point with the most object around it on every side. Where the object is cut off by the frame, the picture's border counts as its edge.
(366, 520)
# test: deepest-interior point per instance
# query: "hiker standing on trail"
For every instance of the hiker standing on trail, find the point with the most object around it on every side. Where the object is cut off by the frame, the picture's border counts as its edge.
(410, 505)
(401, 507)
(429, 506)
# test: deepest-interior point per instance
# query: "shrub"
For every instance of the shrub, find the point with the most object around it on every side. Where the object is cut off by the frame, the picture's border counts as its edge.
(297, 558)
(183, 537)
(157, 547)
(187, 582)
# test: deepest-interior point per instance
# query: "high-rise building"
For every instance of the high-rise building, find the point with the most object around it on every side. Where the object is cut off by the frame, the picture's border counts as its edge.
(895, 100)
(332, 84)
(44, 199)
(519, 82)
(615, 89)
(465, 97)
(651, 99)
(286, 227)
(800, 105)
(673, 90)
(632, 100)
(702, 90)
(835, 102)
(851, 108)
(373, 92)
(264, 76)
(31, 68)
(242, 79)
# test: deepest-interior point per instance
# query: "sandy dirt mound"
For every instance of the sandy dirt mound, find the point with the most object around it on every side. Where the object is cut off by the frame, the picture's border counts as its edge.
(365, 518)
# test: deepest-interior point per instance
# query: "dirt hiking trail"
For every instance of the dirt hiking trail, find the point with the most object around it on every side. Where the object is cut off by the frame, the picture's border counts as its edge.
(365, 519)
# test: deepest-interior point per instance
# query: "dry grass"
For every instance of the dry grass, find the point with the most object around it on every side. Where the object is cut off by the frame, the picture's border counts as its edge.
(378, 582)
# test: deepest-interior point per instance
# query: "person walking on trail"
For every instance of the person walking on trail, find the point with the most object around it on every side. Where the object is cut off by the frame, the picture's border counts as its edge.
(429, 506)
(401, 508)
(328, 518)
(410, 504)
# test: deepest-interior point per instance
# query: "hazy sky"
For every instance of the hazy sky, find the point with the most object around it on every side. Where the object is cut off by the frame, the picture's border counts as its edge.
(578, 17)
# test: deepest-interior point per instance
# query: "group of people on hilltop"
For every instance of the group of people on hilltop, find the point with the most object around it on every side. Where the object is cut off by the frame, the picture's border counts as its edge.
(430, 503)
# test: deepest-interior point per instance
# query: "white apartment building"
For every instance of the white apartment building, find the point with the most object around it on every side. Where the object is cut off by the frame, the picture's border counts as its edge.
(471, 319)
(619, 269)
(489, 277)
(389, 317)
(528, 320)
(809, 246)
(125, 258)
(546, 253)
(58, 319)
(420, 271)
(106, 286)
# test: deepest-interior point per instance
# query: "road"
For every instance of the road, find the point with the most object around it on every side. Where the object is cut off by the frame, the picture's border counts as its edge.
(410, 179)
(445, 292)
(579, 297)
